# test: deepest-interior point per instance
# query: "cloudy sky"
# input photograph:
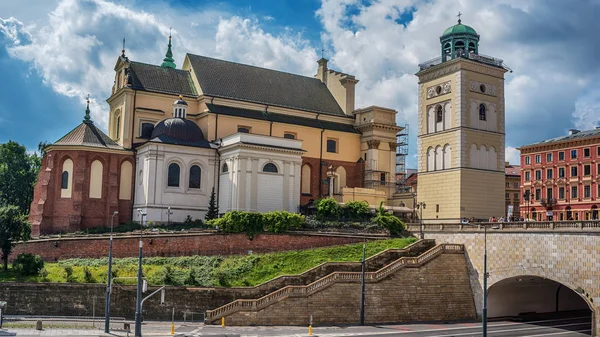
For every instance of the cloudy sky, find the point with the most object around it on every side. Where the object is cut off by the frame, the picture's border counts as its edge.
(55, 52)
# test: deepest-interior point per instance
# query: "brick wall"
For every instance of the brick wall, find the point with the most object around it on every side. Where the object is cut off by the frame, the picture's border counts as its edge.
(354, 176)
(177, 245)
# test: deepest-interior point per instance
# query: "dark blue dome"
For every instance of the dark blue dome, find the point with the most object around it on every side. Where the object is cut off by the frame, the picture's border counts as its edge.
(179, 131)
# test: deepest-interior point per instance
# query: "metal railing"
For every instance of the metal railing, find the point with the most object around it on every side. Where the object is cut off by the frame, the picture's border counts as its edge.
(471, 56)
(583, 226)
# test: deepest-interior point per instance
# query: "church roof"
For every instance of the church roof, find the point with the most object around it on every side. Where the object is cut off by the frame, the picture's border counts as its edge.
(280, 118)
(459, 29)
(87, 134)
(576, 134)
(179, 131)
(149, 77)
(231, 80)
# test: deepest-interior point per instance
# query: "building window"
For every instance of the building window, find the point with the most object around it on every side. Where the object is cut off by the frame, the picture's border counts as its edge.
(598, 151)
(482, 116)
(549, 193)
(561, 192)
(118, 130)
(548, 157)
(482, 86)
(225, 168)
(573, 154)
(561, 155)
(243, 129)
(331, 145)
(587, 191)
(64, 180)
(573, 192)
(506, 196)
(587, 170)
(173, 175)
(516, 196)
(289, 135)
(573, 171)
(516, 185)
(195, 173)
(439, 114)
(527, 160)
(586, 152)
(507, 184)
(538, 175)
(527, 176)
(382, 177)
(538, 158)
(146, 130)
(96, 180)
(538, 193)
(561, 172)
(270, 167)
(549, 174)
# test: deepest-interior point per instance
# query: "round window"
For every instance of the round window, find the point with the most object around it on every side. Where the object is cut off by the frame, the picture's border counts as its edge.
(482, 88)
(438, 89)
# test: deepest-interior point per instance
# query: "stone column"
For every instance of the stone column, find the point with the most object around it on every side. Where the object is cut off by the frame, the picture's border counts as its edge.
(242, 202)
(254, 185)
(372, 154)
(286, 184)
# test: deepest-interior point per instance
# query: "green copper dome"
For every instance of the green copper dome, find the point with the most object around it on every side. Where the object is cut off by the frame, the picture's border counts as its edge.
(459, 29)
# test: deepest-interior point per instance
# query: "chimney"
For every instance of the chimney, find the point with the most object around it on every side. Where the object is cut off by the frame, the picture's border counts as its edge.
(573, 131)
(322, 71)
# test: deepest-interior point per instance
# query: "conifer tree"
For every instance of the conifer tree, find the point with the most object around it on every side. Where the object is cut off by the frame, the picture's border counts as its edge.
(213, 212)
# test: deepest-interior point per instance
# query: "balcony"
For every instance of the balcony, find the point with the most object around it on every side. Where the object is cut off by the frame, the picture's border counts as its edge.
(470, 56)
(550, 202)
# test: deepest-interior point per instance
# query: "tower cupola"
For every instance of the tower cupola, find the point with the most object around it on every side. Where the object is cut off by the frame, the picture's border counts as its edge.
(180, 108)
(459, 41)
(168, 61)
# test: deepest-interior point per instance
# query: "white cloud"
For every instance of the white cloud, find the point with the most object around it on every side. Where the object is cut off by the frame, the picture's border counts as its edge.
(512, 155)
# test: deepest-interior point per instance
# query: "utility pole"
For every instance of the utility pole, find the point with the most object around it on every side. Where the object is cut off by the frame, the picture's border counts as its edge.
(138, 302)
(109, 277)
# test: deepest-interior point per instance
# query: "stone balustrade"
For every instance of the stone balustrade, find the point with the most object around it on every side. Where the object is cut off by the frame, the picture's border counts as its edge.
(542, 226)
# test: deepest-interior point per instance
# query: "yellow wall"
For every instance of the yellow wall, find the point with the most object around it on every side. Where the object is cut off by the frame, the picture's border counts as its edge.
(96, 180)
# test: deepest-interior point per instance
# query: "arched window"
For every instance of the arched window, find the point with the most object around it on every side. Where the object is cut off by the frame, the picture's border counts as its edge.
(64, 180)
(439, 114)
(447, 157)
(305, 179)
(225, 168)
(243, 129)
(482, 116)
(270, 167)
(195, 173)
(439, 158)
(472, 47)
(340, 180)
(289, 135)
(96, 180)
(125, 180)
(459, 48)
(173, 178)
(430, 159)
(118, 130)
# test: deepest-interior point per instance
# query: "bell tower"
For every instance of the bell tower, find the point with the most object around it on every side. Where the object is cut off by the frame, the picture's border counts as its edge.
(461, 131)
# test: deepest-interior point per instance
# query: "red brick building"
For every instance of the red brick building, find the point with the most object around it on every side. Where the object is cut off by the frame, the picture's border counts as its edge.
(560, 176)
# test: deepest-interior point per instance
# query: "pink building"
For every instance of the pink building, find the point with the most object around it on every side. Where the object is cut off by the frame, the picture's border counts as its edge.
(560, 177)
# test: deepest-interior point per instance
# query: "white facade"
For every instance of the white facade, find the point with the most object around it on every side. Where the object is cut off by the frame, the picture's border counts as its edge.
(259, 173)
(153, 196)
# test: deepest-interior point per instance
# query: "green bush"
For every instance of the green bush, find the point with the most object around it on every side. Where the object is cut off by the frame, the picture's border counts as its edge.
(28, 264)
(327, 208)
(358, 210)
(240, 222)
(69, 274)
(390, 222)
(281, 221)
(87, 275)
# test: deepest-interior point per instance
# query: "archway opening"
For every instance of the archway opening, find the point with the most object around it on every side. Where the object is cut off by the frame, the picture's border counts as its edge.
(541, 301)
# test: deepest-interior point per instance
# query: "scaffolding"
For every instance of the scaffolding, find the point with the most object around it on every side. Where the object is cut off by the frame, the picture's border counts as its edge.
(401, 153)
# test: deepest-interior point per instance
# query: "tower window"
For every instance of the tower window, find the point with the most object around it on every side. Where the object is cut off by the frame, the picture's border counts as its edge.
(482, 116)
(195, 173)
(147, 129)
(64, 181)
(331, 145)
(439, 115)
(270, 167)
(173, 175)
(118, 131)
(289, 135)
(225, 168)
(482, 88)
(438, 89)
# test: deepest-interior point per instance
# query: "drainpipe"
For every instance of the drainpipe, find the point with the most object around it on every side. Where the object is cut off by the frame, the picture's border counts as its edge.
(321, 160)
(218, 170)
(134, 154)
(271, 125)
(217, 118)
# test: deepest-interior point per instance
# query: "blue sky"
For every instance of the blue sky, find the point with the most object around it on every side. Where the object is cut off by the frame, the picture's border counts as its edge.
(54, 52)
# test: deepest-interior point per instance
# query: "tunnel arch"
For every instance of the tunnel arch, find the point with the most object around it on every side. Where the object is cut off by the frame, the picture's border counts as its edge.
(521, 295)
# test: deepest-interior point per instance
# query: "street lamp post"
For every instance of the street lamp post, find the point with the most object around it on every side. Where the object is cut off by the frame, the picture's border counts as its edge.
(526, 197)
(485, 277)
(421, 205)
(109, 277)
(138, 302)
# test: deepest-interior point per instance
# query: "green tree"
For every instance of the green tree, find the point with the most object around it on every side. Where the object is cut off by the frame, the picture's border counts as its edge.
(13, 228)
(18, 174)
(213, 211)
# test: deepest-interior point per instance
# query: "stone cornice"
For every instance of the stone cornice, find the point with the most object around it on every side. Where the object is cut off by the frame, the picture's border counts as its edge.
(564, 145)
(455, 65)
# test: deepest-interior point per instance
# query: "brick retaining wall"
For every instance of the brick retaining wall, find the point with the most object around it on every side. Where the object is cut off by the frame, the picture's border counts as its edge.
(178, 245)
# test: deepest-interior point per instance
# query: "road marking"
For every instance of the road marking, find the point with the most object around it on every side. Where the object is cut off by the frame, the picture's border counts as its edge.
(560, 333)
(499, 331)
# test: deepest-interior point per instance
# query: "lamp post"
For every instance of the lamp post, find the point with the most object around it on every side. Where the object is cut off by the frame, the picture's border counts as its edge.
(138, 302)
(485, 277)
(526, 197)
(109, 277)
(330, 174)
(421, 206)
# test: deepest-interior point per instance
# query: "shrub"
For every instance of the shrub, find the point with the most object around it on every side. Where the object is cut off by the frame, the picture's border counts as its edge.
(69, 274)
(28, 264)
(358, 210)
(87, 275)
(240, 222)
(281, 221)
(327, 208)
(390, 222)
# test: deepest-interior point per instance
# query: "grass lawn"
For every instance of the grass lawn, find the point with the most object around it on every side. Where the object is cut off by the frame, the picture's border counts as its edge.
(247, 270)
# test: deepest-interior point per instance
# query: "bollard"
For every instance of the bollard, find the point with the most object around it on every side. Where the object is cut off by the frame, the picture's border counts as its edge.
(172, 329)
(38, 325)
(222, 322)
(310, 330)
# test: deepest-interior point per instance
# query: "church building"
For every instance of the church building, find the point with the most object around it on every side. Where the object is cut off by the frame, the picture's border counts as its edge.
(461, 131)
(263, 139)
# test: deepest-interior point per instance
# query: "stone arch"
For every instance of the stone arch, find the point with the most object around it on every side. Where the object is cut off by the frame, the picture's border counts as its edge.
(492, 157)
(66, 178)
(447, 157)
(474, 156)
(125, 180)
(431, 120)
(483, 157)
(96, 173)
(439, 158)
(439, 117)
(270, 167)
(175, 171)
(340, 180)
(430, 159)
(447, 116)
(306, 179)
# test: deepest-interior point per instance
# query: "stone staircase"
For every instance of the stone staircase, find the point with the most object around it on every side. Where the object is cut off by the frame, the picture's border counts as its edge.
(379, 267)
